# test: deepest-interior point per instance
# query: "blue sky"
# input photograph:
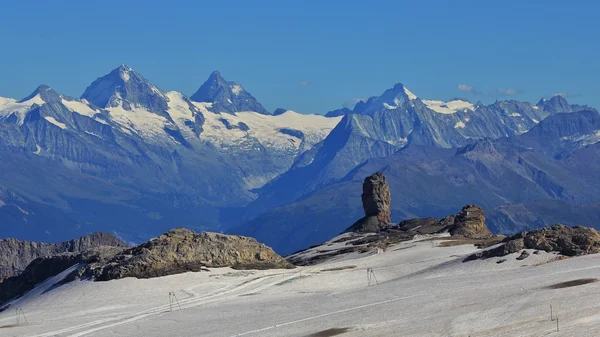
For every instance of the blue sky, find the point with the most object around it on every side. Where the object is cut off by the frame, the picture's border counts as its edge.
(310, 56)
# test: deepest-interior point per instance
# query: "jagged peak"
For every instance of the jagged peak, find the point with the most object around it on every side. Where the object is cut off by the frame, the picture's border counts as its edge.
(44, 92)
(124, 86)
(226, 96)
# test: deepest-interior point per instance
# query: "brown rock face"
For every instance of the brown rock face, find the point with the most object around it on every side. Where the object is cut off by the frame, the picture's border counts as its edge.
(181, 250)
(376, 200)
(470, 223)
(569, 241)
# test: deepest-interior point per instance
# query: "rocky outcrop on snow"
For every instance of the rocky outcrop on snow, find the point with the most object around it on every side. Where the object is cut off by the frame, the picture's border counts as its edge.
(376, 200)
(470, 223)
(466, 227)
(567, 241)
(181, 250)
(177, 251)
(15, 254)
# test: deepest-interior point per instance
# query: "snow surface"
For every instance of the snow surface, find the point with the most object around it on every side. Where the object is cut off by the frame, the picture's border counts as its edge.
(410, 95)
(421, 290)
(9, 106)
(236, 89)
(55, 122)
(448, 107)
(266, 129)
(459, 124)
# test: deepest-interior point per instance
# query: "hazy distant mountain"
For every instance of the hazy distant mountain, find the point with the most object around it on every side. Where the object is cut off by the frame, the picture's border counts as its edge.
(385, 124)
(131, 158)
(550, 162)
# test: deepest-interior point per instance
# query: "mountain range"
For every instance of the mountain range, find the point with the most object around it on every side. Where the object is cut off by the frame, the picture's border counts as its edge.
(130, 158)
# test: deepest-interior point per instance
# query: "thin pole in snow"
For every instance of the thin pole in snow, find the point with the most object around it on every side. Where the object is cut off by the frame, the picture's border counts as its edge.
(173, 299)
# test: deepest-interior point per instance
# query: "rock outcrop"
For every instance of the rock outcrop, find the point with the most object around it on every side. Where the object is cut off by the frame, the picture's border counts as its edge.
(177, 251)
(15, 254)
(568, 241)
(376, 200)
(181, 250)
(470, 223)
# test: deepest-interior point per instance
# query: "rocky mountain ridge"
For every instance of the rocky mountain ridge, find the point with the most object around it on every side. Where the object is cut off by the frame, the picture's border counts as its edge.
(16, 255)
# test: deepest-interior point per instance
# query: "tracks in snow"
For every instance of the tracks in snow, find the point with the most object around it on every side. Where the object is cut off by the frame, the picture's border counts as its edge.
(254, 285)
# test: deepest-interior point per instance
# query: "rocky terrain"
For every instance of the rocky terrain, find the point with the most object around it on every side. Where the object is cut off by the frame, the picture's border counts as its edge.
(177, 251)
(182, 250)
(370, 234)
(564, 240)
(15, 254)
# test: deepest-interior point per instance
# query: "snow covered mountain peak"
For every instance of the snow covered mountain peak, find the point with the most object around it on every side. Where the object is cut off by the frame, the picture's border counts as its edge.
(396, 97)
(127, 88)
(226, 96)
(42, 94)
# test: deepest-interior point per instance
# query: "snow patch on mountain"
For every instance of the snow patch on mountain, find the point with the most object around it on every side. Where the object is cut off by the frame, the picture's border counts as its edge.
(410, 95)
(55, 122)
(140, 121)
(240, 129)
(460, 124)
(236, 89)
(448, 107)
(9, 106)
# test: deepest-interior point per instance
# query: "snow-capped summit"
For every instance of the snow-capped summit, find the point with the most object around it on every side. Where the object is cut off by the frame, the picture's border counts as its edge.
(391, 99)
(226, 96)
(126, 88)
(42, 94)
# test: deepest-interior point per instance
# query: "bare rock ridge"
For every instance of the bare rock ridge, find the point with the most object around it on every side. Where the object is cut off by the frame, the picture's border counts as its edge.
(376, 199)
(181, 250)
(177, 251)
(15, 254)
(567, 241)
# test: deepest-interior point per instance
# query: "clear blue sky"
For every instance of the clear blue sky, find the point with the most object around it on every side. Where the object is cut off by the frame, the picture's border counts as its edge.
(310, 56)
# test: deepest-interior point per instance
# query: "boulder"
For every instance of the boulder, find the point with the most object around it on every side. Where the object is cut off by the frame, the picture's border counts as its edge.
(470, 223)
(376, 200)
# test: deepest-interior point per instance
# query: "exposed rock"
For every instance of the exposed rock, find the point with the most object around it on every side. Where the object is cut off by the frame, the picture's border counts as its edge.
(568, 241)
(181, 250)
(177, 251)
(42, 268)
(523, 256)
(470, 223)
(15, 254)
(376, 200)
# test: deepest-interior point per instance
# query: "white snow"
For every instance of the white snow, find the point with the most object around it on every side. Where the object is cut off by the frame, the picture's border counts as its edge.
(236, 89)
(264, 128)
(83, 108)
(142, 122)
(9, 106)
(535, 107)
(459, 124)
(55, 122)
(448, 107)
(515, 114)
(421, 290)
(410, 95)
